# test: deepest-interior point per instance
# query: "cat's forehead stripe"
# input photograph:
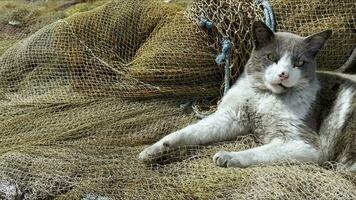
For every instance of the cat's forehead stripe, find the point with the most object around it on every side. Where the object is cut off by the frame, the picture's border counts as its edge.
(286, 58)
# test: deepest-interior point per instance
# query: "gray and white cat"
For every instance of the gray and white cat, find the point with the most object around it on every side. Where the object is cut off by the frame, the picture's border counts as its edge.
(274, 99)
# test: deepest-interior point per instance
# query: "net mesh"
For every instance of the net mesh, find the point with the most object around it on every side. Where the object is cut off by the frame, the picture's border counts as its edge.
(81, 97)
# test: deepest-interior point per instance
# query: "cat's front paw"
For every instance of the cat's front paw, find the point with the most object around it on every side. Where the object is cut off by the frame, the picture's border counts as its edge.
(227, 159)
(222, 158)
(153, 151)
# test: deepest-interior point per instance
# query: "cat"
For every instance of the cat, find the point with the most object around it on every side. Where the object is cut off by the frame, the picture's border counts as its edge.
(274, 99)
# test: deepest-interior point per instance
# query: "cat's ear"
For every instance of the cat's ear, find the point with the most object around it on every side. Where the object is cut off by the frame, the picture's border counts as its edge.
(262, 35)
(316, 42)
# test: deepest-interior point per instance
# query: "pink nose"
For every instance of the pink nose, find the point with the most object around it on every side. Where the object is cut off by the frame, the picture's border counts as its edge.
(283, 76)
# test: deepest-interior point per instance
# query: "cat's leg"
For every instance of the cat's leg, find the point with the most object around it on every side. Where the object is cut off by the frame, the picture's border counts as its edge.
(276, 150)
(220, 126)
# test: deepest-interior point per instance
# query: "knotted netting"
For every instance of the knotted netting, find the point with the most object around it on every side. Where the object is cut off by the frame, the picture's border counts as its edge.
(81, 97)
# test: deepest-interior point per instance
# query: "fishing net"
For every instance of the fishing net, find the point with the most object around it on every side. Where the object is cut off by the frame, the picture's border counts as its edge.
(81, 97)
(21, 18)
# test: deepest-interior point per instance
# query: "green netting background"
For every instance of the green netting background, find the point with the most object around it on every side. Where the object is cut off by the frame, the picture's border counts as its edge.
(82, 96)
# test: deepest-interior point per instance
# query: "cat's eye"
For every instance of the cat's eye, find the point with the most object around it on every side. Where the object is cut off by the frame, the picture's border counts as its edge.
(299, 63)
(272, 57)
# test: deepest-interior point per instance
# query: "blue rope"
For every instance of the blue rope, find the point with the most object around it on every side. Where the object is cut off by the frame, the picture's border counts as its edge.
(225, 56)
(226, 44)
(268, 12)
(205, 23)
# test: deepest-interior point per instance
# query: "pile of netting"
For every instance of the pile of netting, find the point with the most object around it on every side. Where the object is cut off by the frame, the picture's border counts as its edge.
(81, 97)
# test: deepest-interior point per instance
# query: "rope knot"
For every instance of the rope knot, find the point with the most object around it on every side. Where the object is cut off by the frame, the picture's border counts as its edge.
(205, 23)
(225, 54)
(225, 51)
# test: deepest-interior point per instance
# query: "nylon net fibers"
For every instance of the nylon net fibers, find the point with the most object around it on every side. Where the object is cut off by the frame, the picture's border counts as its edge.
(82, 96)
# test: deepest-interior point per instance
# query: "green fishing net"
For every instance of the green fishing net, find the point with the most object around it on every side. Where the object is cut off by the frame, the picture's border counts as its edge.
(82, 96)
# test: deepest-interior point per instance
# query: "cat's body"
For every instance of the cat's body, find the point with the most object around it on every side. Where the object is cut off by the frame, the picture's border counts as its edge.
(275, 99)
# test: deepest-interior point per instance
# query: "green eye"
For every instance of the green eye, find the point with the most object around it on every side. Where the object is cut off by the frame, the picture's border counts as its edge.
(299, 63)
(272, 57)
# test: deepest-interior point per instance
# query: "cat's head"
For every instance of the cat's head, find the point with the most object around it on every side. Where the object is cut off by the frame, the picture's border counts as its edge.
(283, 61)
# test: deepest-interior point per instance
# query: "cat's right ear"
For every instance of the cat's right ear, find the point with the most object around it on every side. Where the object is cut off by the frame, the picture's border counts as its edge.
(316, 42)
(262, 34)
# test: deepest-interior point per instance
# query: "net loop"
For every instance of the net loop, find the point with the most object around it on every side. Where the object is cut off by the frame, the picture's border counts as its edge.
(268, 13)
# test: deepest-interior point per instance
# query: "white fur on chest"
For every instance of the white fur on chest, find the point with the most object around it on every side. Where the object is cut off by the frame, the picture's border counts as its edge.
(292, 107)
(270, 105)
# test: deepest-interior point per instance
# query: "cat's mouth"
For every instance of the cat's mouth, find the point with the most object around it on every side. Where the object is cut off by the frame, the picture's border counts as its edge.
(277, 87)
(281, 85)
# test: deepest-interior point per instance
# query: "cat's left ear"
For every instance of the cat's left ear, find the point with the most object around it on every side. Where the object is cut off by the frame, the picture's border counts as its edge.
(316, 42)
(262, 35)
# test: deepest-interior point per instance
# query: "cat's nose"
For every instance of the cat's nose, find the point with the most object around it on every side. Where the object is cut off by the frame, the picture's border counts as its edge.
(283, 76)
